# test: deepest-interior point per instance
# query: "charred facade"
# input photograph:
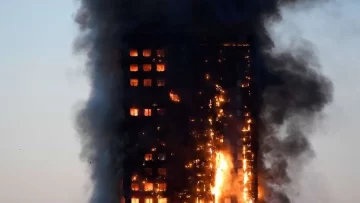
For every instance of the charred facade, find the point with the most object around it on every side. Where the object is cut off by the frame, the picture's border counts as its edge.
(198, 87)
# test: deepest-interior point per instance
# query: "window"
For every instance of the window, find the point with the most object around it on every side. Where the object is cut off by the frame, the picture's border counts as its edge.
(160, 83)
(134, 112)
(133, 53)
(147, 52)
(160, 53)
(160, 111)
(162, 171)
(147, 82)
(147, 67)
(162, 157)
(134, 82)
(238, 112)
(147, 112)
(148, 200)
(135, 187)
(160, 67)
(134, 68)
(161, 186)
(148, 171)
(135, 200)
(162, 200)
(148, 157)
(149, 187)
(238, 83)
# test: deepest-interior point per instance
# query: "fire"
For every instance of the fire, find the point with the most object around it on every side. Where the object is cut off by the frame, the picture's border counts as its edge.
(174, 97)
(223, 168)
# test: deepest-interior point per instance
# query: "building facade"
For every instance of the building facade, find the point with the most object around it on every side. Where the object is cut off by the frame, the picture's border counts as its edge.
(186, 96)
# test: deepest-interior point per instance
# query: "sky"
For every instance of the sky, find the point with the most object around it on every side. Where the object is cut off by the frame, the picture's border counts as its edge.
(42, 83)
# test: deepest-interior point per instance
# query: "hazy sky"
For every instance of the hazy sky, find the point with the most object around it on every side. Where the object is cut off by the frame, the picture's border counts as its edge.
(41, 82)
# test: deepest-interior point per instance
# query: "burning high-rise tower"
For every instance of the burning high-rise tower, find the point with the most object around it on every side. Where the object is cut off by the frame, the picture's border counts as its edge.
(178, 90)
(197, 86)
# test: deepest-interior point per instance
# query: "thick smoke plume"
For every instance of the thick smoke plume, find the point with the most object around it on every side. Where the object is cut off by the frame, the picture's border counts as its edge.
(293, 97)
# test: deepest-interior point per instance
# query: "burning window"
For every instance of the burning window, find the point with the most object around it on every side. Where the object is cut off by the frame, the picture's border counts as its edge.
(134, 82)
(149, 187)
(174, 97)
(148, 157)
(147, 52)
(162, 157)
(162, 171)
(134, 68)
(148, 171)
(160, 53)
(147, 112)
(135, 200)
(160, 67)
(134, 111)
(148, 200)
(162, 200)
(147, 82)
(160, 83)
(135, 187)
(133, 53)
(161, 186)
(147, 67)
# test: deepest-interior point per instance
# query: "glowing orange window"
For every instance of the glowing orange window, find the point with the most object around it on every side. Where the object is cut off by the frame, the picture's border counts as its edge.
(147, 112)
(134, 112)
(135, 187)
(149, 187)
(162, 171)
(134, 68)
(147, 82)
(148, 157)
(160, 67)
(133, 53)
(160, 83)
(148, 200)
(161, 186)
(134, 82)
(135, 200)
(147, 67)
(160, 53)
(162, 200)
(147, 52)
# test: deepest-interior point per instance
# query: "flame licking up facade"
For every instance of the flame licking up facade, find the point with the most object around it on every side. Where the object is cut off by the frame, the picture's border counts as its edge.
(198, 89)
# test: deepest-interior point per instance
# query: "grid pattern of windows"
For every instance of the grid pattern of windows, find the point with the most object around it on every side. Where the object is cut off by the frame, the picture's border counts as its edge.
(146, 69)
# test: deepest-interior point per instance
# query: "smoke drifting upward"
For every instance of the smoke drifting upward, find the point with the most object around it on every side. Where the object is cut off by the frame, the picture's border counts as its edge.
(299, 92)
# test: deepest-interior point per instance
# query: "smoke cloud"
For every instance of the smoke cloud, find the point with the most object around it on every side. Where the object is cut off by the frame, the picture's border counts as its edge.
(294, 91)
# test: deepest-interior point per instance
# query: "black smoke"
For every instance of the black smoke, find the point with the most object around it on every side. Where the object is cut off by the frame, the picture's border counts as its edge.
(291, 98)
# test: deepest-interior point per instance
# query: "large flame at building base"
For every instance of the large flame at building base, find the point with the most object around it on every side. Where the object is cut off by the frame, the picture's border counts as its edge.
(228, 183)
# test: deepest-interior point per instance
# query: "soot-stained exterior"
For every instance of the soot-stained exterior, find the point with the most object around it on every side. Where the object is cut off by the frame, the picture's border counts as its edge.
(171, 80)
